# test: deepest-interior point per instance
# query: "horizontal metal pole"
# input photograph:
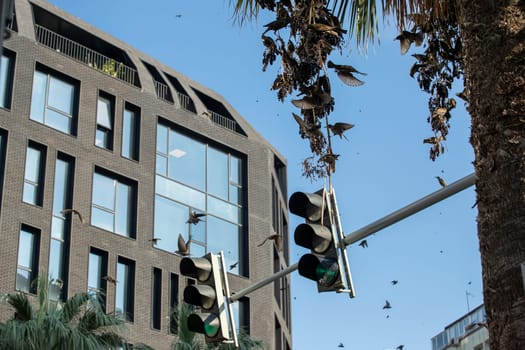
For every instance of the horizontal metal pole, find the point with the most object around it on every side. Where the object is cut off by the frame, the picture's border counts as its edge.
(237, 295)
(411, 209)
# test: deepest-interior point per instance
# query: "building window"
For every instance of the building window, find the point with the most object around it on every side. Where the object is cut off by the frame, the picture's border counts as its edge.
(196, 178)
(34, 174)
(54, 100)
(6, 78)
(105, 113)
(113, 203)
(156, 298)
(3, 152)
(60, 226)
(125, 288)
(174, 301)
(130, 132)
(28, 248)
(97, 270)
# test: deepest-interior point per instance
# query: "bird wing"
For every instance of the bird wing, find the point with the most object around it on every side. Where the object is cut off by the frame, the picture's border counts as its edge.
(181, 244)
(349, 79)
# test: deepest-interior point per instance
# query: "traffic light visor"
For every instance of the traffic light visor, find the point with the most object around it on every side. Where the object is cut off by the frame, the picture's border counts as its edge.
(306, 205)
(199, 268)
(313, 236)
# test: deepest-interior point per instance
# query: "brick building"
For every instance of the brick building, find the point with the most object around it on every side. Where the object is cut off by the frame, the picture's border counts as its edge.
(134, 147)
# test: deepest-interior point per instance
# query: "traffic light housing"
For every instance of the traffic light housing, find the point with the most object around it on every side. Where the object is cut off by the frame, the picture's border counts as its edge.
(327, 264)
(211, 295)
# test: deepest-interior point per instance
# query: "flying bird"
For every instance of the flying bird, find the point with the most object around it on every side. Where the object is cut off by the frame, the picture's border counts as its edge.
(110, 279)
(364, 243)
(154, 240)
(183, 247)
(394, 282)
(339, 128)
(345, 73)
(400, 347)
(407, 38)
(341, 345)
(387, 305)
(195, 217)
(234, 265)
(441, 181)
(73, 211)
(275, 237)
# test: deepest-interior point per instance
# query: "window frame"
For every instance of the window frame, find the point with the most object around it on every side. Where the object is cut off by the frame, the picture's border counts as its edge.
(8, 84)
(128, 283)
(131, 205)
(106, 130)
(34, 255)
(132, 139)
(75, 99)
(39, 183)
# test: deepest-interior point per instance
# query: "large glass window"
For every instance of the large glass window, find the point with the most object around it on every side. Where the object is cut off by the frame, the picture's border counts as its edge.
(105, 113)
(131, 132)
(125, 288)
(113, 203)
(54, 100)
(34, 174)
(6, 78)
(60, 226)
(97, 270)
(194, 177)
(27, 271)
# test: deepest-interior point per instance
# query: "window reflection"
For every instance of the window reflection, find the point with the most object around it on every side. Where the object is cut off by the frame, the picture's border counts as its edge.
(113, 204)
(27, 270)
(195, 176)
(130, 132)
(6, 78)
(53, 101)
(34, 174)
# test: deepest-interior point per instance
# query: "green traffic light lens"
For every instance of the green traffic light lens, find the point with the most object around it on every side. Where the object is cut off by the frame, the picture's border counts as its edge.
(211, 330)
(327, 272)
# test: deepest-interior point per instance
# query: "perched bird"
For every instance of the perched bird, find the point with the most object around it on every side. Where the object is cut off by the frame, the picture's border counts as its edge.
(234, 265)
(341, 345)
(407, 38)
(364, 243)
(195, 217)
(325, 28)
(400, 347)
(276, 25)
(329, 159)
(387, 305)
(339, 128)
(183, 247)
(275, 237)
(110, 279)
(345, 73)
(154, 240)
(441, 181)
(73, 211)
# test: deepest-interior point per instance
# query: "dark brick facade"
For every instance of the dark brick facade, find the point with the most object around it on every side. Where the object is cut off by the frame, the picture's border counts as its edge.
(265, 309)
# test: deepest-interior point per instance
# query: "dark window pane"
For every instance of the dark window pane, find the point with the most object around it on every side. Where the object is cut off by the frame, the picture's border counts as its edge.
(6, 80)
(156, 303)
(130, 134)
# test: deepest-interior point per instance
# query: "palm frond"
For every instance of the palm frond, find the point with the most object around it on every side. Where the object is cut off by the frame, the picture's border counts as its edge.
(244, 10)
(73, 306)
(23, 309)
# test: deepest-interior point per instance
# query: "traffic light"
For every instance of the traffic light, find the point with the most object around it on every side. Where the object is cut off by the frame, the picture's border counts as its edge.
(211, 295)
(327, 264)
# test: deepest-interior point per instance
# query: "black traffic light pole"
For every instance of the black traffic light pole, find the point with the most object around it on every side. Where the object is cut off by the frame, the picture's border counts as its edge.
(375, 226)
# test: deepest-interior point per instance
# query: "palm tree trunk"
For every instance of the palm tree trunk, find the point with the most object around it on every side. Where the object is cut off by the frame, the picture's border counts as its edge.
(493, 37)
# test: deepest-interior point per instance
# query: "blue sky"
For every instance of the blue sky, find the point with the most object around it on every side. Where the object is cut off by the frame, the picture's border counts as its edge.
(384, 166)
